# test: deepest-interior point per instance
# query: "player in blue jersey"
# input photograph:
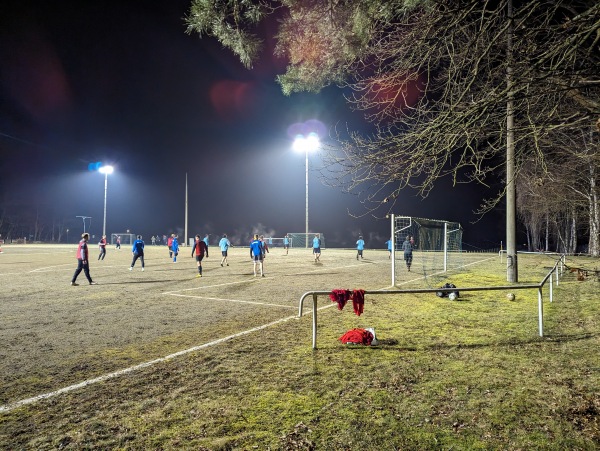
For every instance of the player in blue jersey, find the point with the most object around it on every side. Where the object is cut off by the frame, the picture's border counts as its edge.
(138, 252)
(256, 254)
(360, 247)
(389, 247)
(286, 243)
(265, 246)
(317, 247)
(175, 248)
(224, 244)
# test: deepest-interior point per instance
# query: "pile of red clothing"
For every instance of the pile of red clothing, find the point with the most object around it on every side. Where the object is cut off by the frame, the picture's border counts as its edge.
(358, 337)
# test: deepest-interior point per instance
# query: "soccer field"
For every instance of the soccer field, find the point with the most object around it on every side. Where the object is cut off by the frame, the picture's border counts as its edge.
(55, 335)
(162, 359)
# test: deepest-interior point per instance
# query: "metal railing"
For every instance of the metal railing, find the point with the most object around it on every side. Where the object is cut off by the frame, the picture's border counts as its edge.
(557, 269)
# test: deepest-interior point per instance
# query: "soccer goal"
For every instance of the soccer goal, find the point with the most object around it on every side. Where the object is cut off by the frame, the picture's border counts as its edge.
(274, 242)
(126, 238)
(437, 245)
(305, 239)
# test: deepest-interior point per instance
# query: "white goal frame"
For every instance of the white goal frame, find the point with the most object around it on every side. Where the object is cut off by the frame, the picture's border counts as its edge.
(398, 231)
(126, 238)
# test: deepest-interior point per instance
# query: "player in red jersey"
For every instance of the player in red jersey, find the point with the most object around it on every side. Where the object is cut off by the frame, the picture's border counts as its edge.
(82, 261)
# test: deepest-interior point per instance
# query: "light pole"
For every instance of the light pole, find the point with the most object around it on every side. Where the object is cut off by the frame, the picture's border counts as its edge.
(306, 144)
(83, 218)
(105, 170)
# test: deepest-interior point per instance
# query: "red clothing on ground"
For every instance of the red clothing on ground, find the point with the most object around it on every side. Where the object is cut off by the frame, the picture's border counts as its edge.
(357, 336)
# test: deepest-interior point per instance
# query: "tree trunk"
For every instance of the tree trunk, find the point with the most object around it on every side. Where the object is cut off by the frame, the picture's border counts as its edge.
(573, 233)
(594, 215)
(547, 232)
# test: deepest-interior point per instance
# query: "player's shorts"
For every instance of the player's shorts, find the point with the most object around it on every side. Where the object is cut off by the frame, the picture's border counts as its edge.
(316, 250)
(199, 258)
(224, 253)
(257, 258)
(286, 246)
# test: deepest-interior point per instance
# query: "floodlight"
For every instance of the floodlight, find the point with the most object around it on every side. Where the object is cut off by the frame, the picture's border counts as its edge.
(306, 144)
(106, 169)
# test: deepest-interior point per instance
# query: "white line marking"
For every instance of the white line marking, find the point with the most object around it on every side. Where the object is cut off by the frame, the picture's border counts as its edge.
(23, 402)
(231, 300)
(328, 268)
(50, 267)
(209, 286)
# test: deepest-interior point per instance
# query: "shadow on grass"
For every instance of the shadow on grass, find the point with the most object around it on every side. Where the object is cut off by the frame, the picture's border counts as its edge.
(393, 344)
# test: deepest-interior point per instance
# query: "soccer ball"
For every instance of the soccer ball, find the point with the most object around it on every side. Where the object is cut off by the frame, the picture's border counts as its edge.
(510, 297)
(452, 296)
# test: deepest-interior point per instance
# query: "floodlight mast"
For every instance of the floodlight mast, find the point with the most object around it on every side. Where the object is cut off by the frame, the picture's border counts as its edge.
(84, 218)
(306, 144)
(105, 170)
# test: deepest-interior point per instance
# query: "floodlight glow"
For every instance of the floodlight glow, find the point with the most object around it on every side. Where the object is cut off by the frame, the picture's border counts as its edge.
(106, 169)
(306, 144)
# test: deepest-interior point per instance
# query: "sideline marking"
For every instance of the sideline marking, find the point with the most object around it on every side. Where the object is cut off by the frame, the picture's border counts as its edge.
(49, 268)
(23, 402)
(231, 300)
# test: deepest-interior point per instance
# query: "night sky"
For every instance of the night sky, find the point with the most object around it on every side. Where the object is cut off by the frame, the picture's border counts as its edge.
(120, 82)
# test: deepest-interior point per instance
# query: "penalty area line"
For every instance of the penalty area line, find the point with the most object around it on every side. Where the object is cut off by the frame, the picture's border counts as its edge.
(105, 377)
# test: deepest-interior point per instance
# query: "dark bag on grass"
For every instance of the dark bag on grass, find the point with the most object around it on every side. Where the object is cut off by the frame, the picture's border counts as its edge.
(444, 294)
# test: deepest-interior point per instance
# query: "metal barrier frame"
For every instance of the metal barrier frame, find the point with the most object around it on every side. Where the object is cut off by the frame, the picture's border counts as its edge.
(558, 269)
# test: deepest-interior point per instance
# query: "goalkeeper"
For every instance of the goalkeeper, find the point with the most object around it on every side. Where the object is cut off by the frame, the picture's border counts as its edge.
(408, 252)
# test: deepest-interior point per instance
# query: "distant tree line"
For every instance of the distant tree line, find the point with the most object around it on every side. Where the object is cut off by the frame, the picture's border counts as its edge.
(23, 220)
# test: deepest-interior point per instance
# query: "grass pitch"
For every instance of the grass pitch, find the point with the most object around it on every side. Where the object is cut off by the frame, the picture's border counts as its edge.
(161, 359)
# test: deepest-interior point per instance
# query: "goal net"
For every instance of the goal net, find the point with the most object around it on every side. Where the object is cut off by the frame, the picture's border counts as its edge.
(275, 242)
(305, 239)
(437, 246)
(126, 238)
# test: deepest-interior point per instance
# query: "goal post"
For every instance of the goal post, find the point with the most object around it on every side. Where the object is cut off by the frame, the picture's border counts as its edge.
(274, 241)
(304, 239)
(126, 238)
(438, 243)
